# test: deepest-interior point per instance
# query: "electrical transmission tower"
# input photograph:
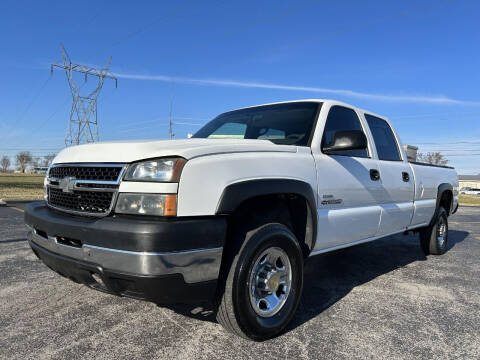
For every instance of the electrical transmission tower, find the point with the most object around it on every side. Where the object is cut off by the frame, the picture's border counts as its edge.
(82, 126)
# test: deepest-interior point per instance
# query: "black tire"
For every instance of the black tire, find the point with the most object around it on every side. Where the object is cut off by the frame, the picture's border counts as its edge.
(235, 311)
(430, 239)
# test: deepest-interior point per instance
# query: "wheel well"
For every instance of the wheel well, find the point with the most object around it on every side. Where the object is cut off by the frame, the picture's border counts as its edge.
(291, 210)
(446, 200)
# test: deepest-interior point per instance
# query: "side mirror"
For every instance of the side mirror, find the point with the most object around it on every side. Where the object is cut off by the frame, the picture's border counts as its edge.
(346, 140)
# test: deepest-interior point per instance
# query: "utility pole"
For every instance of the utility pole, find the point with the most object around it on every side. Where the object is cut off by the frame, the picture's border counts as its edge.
(83, 125)
(170, 123)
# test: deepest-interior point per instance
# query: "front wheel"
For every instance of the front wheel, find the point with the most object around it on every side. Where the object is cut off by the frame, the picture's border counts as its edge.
(434, 238)
(264, 283)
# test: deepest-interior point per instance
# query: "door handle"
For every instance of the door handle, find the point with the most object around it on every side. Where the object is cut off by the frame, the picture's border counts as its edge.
(405, 176)
(374, 174)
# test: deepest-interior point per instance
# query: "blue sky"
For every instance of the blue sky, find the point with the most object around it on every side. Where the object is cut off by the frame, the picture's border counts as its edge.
(415, 62)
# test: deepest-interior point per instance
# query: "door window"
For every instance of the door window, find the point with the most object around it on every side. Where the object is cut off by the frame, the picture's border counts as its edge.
(339, 119)
(385, 142)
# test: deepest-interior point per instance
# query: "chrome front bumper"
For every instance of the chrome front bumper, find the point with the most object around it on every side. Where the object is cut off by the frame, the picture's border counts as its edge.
(194, 265)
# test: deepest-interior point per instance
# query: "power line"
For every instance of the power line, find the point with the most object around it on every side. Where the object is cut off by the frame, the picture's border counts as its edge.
(192, 118)
(170, 125)
(465, 155)
(37, 94)
(239, 30)
(132, 34)
(192, 124)
(450, 145)
(138, 129)
(474, 142)
(335, 33)
(42, 125)
(155, 120)
(413, 116)
(34, 98)
(83, 124)
(157, 20)
(343, 31)
(448, 150)
(29, 149)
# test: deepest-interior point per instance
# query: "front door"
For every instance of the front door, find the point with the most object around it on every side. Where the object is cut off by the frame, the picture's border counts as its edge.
(348, 185)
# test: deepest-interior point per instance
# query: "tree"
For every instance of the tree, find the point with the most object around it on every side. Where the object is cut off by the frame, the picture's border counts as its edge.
(5, 163)
(435, 158)
(23, 158)
(35, 162)
(47, 159)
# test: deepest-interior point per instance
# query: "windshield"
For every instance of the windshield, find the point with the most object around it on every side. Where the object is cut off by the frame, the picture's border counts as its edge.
(289, 124)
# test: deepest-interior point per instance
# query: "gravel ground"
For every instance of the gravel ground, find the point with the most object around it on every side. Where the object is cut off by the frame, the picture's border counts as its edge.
(383, 299)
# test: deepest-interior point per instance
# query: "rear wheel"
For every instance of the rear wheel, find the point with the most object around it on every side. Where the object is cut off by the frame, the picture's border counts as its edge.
(262, 289)
(434, 238)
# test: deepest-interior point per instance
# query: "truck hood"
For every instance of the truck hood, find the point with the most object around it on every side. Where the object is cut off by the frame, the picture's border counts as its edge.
(129, 151)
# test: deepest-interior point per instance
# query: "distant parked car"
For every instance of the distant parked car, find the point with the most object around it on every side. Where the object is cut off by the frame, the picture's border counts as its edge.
(470, 191)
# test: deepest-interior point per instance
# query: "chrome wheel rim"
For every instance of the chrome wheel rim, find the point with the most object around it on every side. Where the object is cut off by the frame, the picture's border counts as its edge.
(270, 282)
(441, 231)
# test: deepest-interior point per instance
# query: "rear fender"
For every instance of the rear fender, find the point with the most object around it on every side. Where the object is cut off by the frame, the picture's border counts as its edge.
(442, 188)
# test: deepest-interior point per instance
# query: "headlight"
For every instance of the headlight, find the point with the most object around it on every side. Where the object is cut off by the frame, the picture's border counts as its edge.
(161, 170)
(147, 204)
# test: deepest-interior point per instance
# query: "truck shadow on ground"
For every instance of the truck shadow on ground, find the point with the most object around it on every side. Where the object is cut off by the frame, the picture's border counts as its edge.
(330, 277)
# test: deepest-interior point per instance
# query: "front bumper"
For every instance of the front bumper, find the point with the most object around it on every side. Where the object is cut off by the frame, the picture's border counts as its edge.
(456, 208)
(165, 261)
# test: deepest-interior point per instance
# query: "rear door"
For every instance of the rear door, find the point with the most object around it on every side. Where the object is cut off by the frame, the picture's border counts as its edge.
(347, 187)
(396, 178)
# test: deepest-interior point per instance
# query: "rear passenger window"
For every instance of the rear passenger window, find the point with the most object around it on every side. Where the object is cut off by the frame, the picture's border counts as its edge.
(385, 142)
(339, 119)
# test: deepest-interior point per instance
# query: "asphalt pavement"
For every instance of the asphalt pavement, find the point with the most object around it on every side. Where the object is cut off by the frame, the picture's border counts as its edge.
(380, 300)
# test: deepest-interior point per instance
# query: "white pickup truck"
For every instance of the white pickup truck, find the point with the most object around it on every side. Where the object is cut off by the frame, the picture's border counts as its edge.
(231, 214)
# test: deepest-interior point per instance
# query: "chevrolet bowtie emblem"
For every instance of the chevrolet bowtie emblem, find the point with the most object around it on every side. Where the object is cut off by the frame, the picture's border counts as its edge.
(67, 184)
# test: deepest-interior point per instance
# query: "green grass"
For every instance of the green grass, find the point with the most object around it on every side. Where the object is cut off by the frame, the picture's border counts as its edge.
(469, 200)
(21, 186)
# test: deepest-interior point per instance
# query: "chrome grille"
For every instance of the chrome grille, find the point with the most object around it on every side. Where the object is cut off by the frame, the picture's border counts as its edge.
(84, 189)
(102, 173)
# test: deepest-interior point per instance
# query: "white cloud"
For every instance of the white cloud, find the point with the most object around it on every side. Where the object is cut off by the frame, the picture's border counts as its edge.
(342, 92)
